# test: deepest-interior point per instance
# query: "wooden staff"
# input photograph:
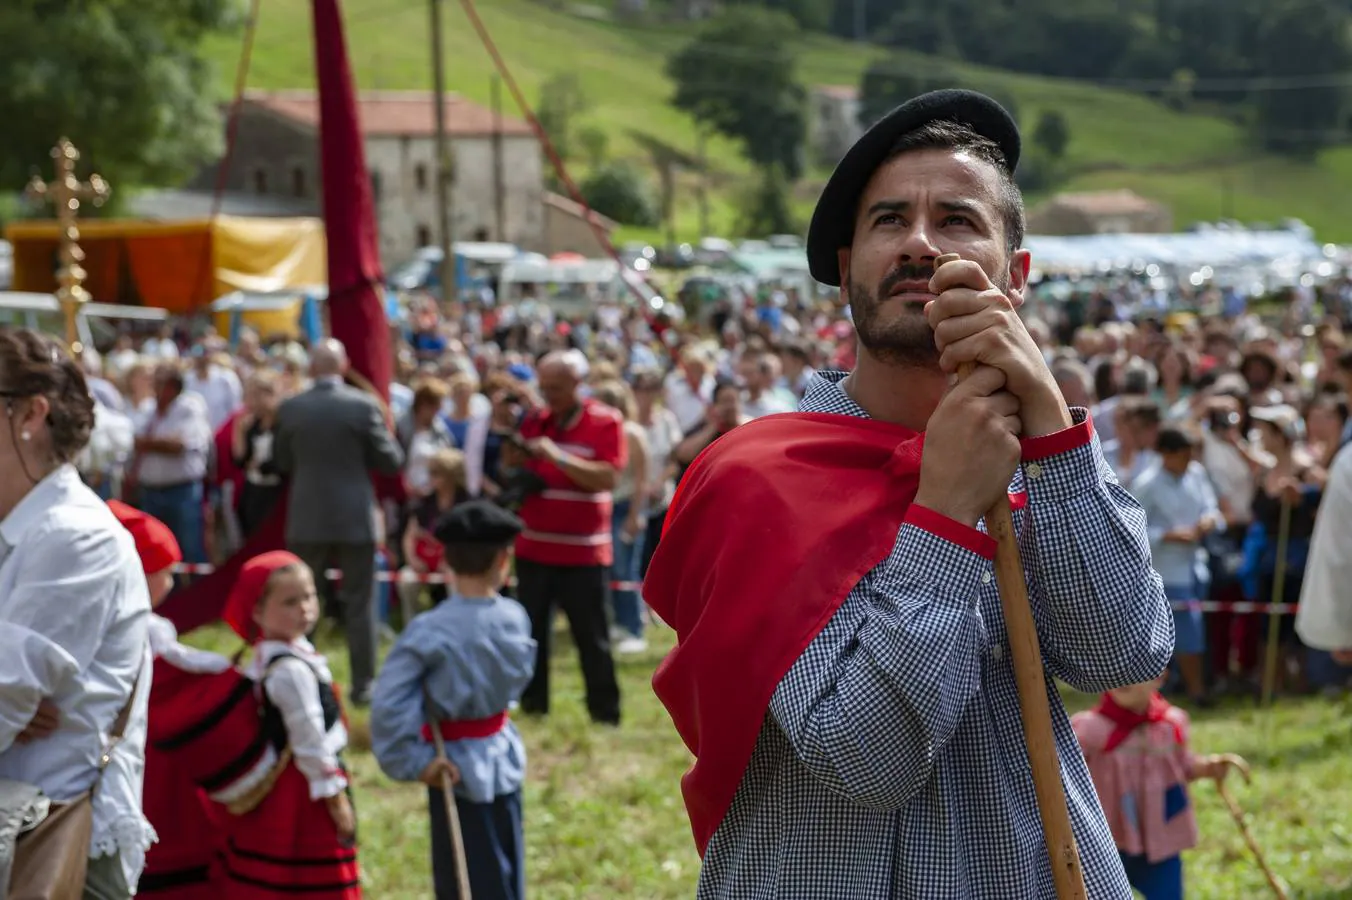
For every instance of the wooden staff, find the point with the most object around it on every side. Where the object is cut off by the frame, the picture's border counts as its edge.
(1276, 597)
(452, 814)
(1032, 684)
(1237, 814)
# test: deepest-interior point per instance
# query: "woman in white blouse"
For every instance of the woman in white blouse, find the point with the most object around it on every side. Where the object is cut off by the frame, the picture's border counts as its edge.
(73, 614)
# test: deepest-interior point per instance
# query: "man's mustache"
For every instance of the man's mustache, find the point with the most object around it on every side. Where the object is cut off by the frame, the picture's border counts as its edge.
(903, 273)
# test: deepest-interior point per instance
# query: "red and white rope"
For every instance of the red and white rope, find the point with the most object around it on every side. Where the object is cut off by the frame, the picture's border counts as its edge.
(408, 577)
(404, 577)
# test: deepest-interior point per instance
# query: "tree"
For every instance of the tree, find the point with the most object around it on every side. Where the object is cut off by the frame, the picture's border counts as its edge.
(594, 141)
(617, 190)
(888, 83)
(1052, 133)
(125, 80)
(561, 103)
(765, 207)
(811, 15)
(1302, 39)
(919, 29)
(737, 77)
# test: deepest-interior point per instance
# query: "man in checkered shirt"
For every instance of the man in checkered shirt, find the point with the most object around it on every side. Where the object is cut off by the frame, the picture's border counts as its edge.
(883, 755)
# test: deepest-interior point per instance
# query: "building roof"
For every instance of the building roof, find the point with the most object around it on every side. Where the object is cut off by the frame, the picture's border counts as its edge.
(179, 205)
(393, 113)
(837, 91)
(1101, 203)
(571, 207)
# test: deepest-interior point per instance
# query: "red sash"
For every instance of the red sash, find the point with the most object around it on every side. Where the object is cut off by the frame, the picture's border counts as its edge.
(462, 729)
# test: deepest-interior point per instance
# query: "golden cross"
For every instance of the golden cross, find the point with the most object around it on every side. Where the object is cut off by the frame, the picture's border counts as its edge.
(65, 192)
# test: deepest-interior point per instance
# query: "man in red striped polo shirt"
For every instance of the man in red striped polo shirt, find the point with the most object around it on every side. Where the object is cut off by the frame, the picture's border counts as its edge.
(577, 447)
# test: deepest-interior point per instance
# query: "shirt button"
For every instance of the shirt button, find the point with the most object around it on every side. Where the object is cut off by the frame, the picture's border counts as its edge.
(985, 577)
(1034, 470)
(997, 652)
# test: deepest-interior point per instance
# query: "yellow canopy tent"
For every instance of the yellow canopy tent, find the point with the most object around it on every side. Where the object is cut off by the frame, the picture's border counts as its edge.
(178, 266)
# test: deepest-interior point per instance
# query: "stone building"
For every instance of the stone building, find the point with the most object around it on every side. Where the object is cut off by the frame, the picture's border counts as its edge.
(496, 160)
(1100, 212)
(832, 122)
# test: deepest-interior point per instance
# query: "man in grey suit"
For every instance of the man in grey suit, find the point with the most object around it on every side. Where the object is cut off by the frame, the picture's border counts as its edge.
(328, 441)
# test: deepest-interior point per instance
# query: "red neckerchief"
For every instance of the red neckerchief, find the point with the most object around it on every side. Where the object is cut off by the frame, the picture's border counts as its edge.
(771, 527)
(1128, 720)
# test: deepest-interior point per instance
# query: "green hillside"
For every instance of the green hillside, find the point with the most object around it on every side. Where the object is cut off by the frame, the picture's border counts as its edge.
(1199, 164)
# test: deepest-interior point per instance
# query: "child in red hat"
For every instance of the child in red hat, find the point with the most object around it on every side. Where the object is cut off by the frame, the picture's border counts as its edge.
(179, 865)
(301, 837)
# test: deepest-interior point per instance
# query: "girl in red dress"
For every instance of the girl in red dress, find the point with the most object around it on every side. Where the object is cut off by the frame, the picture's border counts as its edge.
(300, 839)
(180, 865)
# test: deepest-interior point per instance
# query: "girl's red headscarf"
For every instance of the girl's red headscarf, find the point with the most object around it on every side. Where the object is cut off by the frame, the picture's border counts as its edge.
(248, 590)
(155, 543)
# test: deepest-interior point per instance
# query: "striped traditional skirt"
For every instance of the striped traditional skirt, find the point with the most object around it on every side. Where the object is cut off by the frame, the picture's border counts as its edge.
(287, 847)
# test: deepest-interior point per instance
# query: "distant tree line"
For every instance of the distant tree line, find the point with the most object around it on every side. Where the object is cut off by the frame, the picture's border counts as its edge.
(1280, 66)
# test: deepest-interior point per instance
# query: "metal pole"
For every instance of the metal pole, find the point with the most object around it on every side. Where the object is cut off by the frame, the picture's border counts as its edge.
(499, 185)
(445, 234)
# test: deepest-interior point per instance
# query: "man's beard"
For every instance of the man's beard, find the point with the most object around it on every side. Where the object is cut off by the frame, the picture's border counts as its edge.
(904, 339)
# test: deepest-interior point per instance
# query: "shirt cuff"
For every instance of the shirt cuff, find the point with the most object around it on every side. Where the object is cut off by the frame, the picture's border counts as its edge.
(1080, 434)
(331, 785)
(922, 555)
(1064, 464)
(954, 532)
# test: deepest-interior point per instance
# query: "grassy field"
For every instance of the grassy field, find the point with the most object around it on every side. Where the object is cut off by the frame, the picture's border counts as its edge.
(1197, 163)
(604, 816)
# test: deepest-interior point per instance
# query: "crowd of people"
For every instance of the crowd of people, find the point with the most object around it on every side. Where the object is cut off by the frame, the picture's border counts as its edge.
(1256, 411)
(1225, 429)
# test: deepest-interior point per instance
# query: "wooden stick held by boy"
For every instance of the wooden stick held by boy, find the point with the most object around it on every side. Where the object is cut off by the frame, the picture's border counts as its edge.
(452, 815)
(439, 711)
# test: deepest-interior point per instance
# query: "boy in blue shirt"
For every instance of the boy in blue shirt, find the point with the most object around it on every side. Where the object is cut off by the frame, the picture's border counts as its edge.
(467, 661)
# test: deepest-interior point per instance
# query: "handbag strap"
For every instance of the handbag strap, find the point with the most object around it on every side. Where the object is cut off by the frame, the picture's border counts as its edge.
(120, 723)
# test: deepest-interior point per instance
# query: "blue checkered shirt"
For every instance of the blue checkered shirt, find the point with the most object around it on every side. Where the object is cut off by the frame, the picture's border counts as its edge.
(892, 764)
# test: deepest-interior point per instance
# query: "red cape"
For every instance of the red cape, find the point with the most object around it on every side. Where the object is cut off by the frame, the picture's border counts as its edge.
(770, 529)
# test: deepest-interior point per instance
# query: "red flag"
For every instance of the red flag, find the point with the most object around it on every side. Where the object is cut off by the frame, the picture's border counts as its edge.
(356, 295)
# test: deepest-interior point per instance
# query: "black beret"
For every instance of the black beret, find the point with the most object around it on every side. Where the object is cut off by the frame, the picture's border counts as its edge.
(478, 522)
(833, 220)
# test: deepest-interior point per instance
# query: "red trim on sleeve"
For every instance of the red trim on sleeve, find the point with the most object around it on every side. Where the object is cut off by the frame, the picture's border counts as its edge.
(941, 526)
(1063, 441)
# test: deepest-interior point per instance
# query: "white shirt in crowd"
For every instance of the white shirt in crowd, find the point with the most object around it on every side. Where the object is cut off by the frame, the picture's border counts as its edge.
(185, 420)
(1324, 619)
(1171, 502)
(110, 442)
(663, 435)
(74, 619)
(160, 348)
(220, 389)
(768, 403)
(688, 405)
(1231, 474)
